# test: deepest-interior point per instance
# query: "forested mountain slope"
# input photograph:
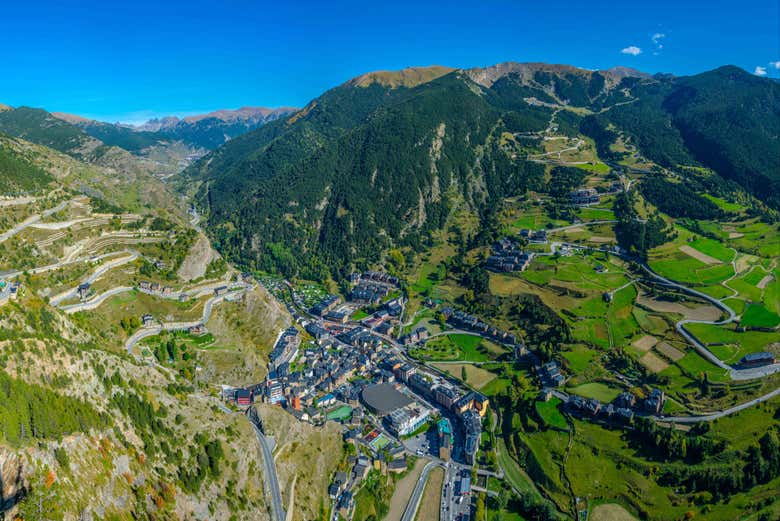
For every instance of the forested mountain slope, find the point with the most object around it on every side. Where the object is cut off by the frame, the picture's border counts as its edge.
(41, 127)
(381, 161)
(725, 119)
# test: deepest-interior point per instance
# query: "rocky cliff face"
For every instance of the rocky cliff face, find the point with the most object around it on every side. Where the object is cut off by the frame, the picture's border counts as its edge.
(12, 481)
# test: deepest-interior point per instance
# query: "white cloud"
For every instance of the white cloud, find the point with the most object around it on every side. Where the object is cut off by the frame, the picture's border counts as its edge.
(775, 65)
(760, 71)
(633, 50)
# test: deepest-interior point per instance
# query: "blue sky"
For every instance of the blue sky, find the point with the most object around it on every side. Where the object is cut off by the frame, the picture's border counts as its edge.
(135, 59)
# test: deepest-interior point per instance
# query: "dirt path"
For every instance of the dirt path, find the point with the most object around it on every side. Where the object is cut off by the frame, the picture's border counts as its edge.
(403, 490)
(763, 282)
(696, 254)
(291, 501)
(703, 312)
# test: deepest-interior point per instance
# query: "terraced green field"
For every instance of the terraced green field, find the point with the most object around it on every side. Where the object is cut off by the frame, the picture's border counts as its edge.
(744, 342)
(756, 315)
(597, 390)
(712, 248)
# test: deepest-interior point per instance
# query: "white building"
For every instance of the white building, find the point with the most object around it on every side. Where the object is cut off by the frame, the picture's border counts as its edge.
(407, 419)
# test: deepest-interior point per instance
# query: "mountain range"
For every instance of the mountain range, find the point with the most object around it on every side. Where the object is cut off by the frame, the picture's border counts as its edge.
(384, 159)
(203, 131)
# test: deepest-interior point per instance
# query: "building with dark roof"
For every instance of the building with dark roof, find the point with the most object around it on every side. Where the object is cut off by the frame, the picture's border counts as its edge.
(384, 398)
(758, 359)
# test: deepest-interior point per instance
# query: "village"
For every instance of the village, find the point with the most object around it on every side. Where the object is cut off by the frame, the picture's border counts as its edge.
(348, 362)
(333, 367)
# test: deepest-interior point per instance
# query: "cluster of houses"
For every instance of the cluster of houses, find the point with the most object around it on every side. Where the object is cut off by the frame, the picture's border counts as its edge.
(469, 407)
(508, 257)
(344, 483)
(415, 336)
(584, 197)
(371, 287)
(624, 407)
(320, 368)
(550, 375)
(157, 289)
(616, 187)
(343, 366)
(285, 349)
(374, 276)
(536, 237)
(467, 322)
(380, 322)
(325, 305)
(369, 293)
(588, 196)
(8, 291)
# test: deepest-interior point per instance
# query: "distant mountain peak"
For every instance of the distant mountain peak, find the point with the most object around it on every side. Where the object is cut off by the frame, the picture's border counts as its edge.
(408, 77)
(243, 113)
(157, 124)
(248, 115)
(487, 76)
(71, 118)
(4, 107)
(627, 72)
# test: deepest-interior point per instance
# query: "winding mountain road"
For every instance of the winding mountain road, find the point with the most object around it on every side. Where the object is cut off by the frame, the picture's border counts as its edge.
(720, 414)
(32, 220)
(132, 255)
(146, 332)
(736, 374)
(96, 301)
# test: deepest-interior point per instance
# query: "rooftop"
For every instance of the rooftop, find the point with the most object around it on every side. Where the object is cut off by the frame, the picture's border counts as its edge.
(384, 398)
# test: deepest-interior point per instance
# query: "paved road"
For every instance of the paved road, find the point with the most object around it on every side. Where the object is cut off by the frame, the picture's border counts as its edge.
(579, 225)
(54, 301)
(698, 418)
(734, 373)
(95, 301)
(269, 465)
(146, 332)
(31, 220)
(60, 264)
(419, 487)
(14, 201)
(720, 414)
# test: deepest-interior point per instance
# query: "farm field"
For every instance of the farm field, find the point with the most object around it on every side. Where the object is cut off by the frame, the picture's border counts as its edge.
(475, 376)
(611, 512)
(619, 336)
(550, 413)
(458, 346)
(599, 391)
(731, 345)
(756, 315)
